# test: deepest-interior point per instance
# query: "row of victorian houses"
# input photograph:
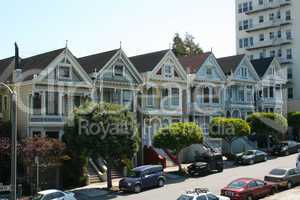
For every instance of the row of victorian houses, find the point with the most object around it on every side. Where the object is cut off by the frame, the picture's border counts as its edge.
(158, 87)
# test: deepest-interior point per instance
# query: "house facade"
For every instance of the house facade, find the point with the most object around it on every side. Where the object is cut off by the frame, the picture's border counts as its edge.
(271, 93)
(163, 99)
(241, 85)
(206, 88)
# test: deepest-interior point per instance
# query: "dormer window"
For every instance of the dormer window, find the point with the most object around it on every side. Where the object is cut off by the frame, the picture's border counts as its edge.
(119, 70)
(244, 72)
(64, 72)
(168, 71)
(209, 71)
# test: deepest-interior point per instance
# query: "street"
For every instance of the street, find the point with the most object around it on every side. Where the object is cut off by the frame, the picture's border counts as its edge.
(213, 182)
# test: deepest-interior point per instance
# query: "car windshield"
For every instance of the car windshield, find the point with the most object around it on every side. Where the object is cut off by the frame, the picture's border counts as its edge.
(278, 172)
(248, 153)
(37, 197)
(185, 197)
(134, 174)
(237, 184)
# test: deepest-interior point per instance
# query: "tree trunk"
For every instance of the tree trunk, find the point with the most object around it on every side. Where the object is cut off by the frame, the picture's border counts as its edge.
(179, 164)
(109, 179)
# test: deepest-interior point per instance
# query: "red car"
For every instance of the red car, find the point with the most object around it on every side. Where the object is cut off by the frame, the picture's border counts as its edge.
(248, 189)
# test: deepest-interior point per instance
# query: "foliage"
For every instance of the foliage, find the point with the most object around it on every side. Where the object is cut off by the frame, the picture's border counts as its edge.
(185, 47)
(103, 130)
(178, 136)
(294, 119)
(228, 128)
(268, 124)
(49, 151)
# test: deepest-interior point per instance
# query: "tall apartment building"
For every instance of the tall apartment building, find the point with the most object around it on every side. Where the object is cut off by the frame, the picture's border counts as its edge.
(271, 28)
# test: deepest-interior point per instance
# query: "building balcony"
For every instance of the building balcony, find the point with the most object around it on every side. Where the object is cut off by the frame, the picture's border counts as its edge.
(205, 107)
(285, 60)
(269, 24)
(268, 6)
(238, 103)
(270, 101)
(48, 119)
(270, 43)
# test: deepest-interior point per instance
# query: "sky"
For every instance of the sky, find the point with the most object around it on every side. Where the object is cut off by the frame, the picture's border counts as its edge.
(93, 26)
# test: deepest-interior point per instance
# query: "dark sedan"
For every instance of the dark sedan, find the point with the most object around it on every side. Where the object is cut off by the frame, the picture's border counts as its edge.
(285, 178)
(251, 156)
(286, 147)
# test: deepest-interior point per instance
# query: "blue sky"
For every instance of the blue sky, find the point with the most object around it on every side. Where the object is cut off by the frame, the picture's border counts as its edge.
(93, 26)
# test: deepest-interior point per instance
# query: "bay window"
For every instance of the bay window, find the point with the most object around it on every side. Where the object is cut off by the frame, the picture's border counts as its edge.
(52, 103)
(37, 104)
(175, 96)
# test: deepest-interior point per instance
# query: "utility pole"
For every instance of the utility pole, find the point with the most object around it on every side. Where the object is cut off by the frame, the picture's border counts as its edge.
(14, 147)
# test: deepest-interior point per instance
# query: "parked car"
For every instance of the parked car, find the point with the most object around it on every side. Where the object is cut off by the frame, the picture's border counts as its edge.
(54, 195)
(285, 148)
(248, 189)
(298, 162)
(286, 178)
(143, 177)
(201, 194)
(251, 156)
(206, 164)
(4, 195)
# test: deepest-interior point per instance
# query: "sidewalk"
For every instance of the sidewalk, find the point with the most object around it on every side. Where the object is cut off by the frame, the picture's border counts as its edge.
(293, 194)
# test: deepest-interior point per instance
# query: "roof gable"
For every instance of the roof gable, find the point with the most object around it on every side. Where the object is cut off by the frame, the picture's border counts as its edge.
(262, 65)
(194, 62)
(94, 63)
(147, 62)
(230, 64)
(6, 70)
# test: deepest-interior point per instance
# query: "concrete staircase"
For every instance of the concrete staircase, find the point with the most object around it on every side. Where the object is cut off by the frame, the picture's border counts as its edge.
(93, 176)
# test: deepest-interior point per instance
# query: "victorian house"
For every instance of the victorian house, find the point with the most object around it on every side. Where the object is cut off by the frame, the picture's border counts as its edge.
(164, 92)
(115, 79)
(241, 85)
(271, 92)
(49, 86)
(206, 88)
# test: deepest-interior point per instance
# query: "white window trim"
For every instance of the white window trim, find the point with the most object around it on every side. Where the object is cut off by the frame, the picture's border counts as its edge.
(123, 70)
(64, 66)
(168, 75)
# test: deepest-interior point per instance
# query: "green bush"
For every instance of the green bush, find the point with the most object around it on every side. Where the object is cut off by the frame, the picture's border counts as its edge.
(178, 136)
(268, 124)
(228, 128)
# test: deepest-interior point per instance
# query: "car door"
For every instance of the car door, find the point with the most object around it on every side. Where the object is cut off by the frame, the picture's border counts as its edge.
(253, 190)
(212, 197)
(297, 176)
(149, 179)
(263, 190)
(293, 176)
(258, 156)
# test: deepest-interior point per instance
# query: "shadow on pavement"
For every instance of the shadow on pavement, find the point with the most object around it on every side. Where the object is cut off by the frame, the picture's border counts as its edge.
(94, 194)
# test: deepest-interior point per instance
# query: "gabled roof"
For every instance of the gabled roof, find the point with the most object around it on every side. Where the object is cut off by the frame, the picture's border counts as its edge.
(230, 63)
(193, 63)
(4, 63)
(97, 61)
(262, 65)
(147, 62)
(39, 62)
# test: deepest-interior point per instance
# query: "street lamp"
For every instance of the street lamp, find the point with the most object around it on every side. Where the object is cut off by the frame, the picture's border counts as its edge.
(13, 119)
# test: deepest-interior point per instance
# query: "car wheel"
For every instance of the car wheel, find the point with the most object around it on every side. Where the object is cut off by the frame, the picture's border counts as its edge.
(137, 188)
(249, 198)
(265, 158)
(251, 162)
(298, 150)
(289, 185)
(160, 183)
(273, 191)
(286, 153)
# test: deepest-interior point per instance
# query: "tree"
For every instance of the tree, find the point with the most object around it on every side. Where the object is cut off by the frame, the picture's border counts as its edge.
(103, 130)
(228, 129)
(177, 137)
(266, 125)
(49, 151)
(294, 122)
(185, 47)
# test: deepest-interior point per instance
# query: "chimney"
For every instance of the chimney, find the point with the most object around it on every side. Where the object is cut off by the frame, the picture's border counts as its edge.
(18, 69)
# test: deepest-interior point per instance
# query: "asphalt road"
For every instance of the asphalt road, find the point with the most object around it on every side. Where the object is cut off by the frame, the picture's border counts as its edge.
(213, 182)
